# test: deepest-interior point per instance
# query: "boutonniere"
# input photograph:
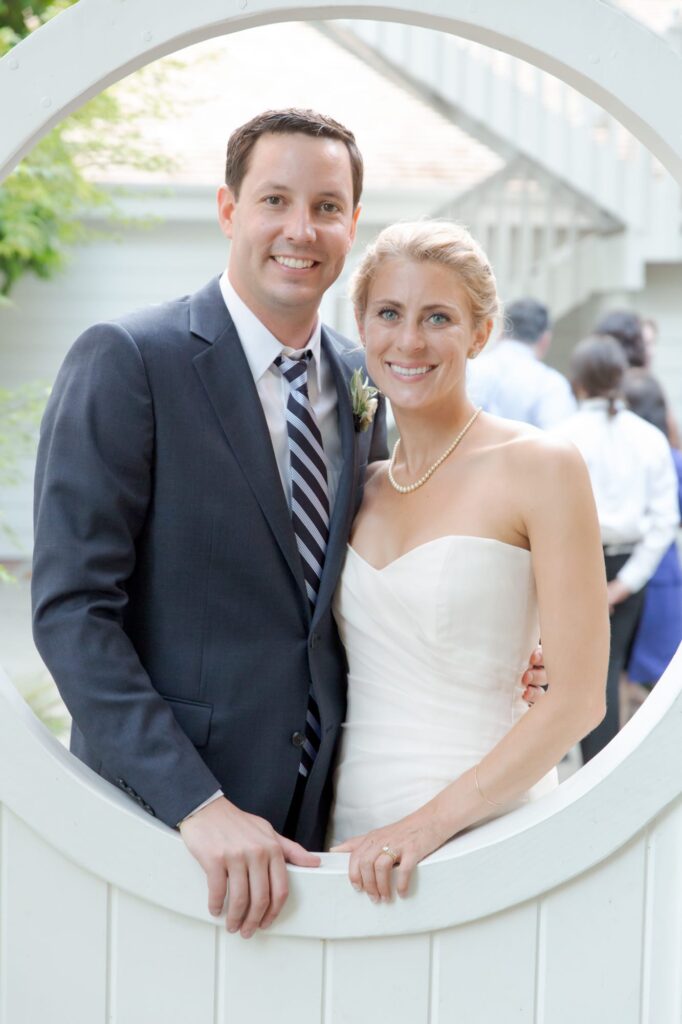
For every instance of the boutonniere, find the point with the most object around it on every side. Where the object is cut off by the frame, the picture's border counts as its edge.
(364, 400)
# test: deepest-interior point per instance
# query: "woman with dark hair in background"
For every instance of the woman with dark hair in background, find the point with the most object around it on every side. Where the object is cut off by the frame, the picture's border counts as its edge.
(638, 338)
(628, 330)
(635, 488)
(660, 628)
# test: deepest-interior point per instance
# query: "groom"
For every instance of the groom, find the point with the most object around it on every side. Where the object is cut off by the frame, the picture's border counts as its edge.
(198, 471)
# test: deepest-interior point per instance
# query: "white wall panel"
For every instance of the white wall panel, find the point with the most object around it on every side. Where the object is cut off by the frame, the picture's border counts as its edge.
(591, 935)
(662, 937)
(378, 980)
(52, 933)
(495, 956)
(270, 979)
(162, 965)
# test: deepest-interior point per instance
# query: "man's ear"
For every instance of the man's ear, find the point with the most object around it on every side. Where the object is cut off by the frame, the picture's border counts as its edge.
(542, 346)
(354, 226)
(360, 326)
(227, 202)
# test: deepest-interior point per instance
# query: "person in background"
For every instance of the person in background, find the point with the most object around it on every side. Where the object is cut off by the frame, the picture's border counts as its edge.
(626, 328)
(512, 380)
(635, 487)
(660, 629)
(639, 339)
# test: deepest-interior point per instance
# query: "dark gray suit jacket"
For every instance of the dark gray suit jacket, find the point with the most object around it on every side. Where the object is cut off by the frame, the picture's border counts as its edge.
(169, 601)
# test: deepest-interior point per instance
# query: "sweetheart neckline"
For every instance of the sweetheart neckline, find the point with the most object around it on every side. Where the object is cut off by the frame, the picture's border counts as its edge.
(435, 540)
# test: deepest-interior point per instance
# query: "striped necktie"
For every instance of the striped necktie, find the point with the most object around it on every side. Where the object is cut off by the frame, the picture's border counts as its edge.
(309, 509)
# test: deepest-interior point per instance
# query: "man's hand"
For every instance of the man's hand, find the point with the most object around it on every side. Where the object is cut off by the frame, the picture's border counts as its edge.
(245, 850)
(616, 592)
(534, 679)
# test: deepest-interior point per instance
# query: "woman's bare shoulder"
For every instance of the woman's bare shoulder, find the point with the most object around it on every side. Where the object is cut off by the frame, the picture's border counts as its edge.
(375, 469)
(521, 444)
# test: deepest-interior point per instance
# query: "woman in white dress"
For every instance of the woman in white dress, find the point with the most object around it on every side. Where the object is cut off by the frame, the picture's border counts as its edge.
(478, 537)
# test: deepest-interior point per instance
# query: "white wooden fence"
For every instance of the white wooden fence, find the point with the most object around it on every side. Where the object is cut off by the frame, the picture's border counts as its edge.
(568, 910)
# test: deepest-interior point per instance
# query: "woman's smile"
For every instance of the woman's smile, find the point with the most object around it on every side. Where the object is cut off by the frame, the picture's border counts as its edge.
(404, 371)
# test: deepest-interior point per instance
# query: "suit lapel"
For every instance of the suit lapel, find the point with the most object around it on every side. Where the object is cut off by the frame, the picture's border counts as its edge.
(228, 382)
(343, 504)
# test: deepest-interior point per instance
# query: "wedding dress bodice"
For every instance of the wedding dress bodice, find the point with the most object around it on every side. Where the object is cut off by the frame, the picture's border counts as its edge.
(437, 642)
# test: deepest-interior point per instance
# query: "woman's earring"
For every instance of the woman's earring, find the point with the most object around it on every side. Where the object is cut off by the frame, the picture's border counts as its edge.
(473, 353)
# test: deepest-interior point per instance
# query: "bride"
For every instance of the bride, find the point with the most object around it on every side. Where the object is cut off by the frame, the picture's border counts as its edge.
(478, 536)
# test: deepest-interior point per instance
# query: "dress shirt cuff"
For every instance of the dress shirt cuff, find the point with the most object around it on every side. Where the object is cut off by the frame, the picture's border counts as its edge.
(643, 563)
(215, 796)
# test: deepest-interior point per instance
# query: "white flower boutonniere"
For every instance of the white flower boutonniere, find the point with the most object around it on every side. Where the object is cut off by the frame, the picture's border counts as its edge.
(364, 400)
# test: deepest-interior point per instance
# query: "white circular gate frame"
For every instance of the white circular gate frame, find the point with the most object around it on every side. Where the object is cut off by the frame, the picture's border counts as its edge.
(637, 77)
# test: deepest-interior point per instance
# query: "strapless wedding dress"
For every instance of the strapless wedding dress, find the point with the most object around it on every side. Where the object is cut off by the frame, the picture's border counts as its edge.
(437, 642)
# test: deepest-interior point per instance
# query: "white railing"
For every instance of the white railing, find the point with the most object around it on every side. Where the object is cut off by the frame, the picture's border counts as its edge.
(568, 909)
(543, 239)
(519, 109)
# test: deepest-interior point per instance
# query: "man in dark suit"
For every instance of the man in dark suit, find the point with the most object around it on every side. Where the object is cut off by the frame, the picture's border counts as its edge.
(193, 501)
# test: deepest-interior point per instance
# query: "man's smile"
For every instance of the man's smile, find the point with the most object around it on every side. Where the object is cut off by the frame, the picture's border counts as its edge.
(294, 262)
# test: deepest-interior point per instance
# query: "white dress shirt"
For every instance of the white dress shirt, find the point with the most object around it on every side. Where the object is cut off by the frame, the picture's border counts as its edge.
(261, 348)
(634, 482)
(510, 381)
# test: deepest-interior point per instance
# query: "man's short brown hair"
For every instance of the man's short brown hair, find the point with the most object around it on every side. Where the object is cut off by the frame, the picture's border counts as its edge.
(288, 122)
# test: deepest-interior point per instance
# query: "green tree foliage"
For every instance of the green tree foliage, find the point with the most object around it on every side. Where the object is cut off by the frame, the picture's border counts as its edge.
(20, 413)
(44, 203)
(21, 18)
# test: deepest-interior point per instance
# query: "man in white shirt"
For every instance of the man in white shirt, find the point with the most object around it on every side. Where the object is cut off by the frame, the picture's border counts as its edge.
(511, 379)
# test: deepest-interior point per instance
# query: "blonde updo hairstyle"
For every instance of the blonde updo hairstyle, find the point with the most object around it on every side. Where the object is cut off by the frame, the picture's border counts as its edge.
(431, 241)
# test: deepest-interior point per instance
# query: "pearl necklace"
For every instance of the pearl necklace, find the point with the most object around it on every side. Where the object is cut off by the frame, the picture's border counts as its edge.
(407, 488)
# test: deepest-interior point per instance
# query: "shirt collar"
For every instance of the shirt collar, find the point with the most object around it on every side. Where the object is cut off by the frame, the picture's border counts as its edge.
(260, 345)
(520, 347)
(600, 404)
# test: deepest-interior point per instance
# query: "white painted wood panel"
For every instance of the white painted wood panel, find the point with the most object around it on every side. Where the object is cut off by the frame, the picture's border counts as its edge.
(269, 979)
(662, 933)
(590, 936)
(489, 963)
(53, 955)
(161, 964)
(378, 980)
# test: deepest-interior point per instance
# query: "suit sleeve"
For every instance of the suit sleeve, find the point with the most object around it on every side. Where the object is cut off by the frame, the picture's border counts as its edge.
(92, 492)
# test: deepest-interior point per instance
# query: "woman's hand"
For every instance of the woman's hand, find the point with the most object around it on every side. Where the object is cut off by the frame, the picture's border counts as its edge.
(401, 846)
(534, 679)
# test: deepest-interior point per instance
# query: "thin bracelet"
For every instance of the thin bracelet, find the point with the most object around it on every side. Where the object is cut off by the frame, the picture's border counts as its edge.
(482, 795)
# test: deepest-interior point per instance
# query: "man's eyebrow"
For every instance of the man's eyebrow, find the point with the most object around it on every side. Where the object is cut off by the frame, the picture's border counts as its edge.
(273, 186)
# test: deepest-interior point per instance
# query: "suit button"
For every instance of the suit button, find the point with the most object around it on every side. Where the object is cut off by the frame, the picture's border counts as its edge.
(298, 739)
